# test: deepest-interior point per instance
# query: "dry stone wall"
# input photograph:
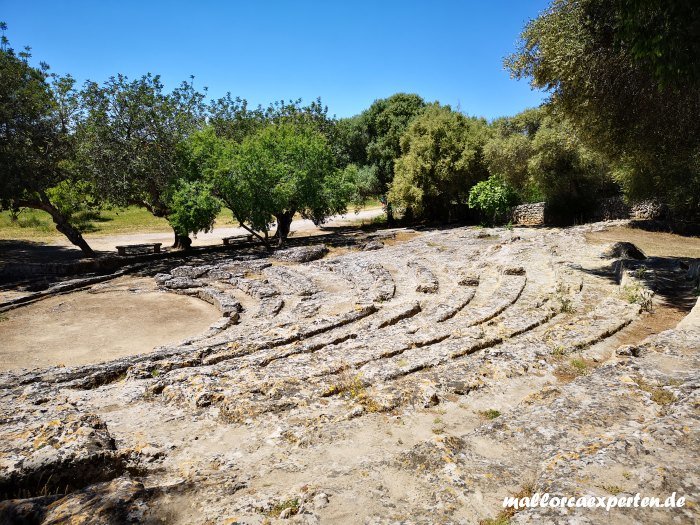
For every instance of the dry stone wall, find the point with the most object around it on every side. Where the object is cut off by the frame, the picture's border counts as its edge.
(532, 214)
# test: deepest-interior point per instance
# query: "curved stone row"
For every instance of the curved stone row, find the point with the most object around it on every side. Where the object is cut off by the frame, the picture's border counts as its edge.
(427, 282)
(373, 282)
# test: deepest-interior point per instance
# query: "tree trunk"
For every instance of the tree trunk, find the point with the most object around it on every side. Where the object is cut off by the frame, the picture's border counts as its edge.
(389, 215)
(284, 223)
(182, 242)
(63, 226)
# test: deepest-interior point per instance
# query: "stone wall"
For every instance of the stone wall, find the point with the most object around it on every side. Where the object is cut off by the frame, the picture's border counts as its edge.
(532, 214)
(648, 211)
(611, 209)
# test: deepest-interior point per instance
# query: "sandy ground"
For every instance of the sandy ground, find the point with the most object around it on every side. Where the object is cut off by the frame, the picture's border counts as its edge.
(215, 237)
(658, 244)
(125, 316)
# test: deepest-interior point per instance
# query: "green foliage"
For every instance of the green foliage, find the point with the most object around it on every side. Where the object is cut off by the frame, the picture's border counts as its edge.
(37, 113)
(281, 170)
(352, 137)
(624, 73)
(510, 148)
(442, 158)
(381, 128)
(28, 111)
(130, 139)
(194, 208)
(541, 156)
(662, 36)
(494, 198)
(363, 184)
(231, 118)
(74, 198)
(571, 176)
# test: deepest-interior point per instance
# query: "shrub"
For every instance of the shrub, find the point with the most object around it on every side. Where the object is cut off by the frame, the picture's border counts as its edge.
(493, 198)
(194, 208)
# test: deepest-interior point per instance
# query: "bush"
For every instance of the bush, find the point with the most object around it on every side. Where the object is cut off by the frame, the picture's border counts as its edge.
(194, 208)
(493, 198)
(442, 159)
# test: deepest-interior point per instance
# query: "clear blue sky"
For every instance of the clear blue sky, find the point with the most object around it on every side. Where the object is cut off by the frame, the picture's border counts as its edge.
(347, 52)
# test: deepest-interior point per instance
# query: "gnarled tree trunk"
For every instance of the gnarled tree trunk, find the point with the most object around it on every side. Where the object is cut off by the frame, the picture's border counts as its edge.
(182, 242)
(284, 223)
(63, 226)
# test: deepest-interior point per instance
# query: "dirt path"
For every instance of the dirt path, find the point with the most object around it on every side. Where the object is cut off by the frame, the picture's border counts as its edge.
(126, 316)
(110, 242)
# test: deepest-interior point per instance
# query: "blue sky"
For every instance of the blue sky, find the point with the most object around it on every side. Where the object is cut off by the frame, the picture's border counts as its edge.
(347, 52)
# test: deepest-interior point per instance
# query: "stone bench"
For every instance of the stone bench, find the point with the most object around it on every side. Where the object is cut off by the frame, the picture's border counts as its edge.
(237, 239)
(153, 247)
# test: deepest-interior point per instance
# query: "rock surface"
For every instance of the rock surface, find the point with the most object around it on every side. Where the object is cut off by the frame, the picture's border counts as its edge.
(422, 382)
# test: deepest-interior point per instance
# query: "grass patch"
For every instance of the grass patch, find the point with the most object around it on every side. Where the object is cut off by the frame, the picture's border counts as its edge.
(659, 395)
(576, 367)
(612, 489)
(566, 305)
(280, 507)
(637, 294)
(559, 351)
(503, 517)
(37, 225)
(355, 390)
(491, 413)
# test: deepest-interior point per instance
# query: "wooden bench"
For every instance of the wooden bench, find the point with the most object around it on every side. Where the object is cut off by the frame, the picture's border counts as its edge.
(153, 247)
(237, 239)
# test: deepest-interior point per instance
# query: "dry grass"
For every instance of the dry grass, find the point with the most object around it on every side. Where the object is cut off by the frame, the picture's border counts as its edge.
(652, 243)
(355, 390)
(491, 413)
(504, 517)
(576, 367)
(659, 395)
(278, 508)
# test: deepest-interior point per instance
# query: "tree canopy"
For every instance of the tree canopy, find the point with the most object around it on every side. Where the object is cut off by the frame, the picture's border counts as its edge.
(624, 74)
(37, 112)
(131, 143)
(380, 128)
(283, 169)
(442, 158)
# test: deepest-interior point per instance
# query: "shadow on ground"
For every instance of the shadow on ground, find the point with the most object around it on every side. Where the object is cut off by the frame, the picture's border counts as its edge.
(674, 279)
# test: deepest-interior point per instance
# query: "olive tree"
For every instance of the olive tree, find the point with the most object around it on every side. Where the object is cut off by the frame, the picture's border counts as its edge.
(131, 144)
(625, 74)
(283, 169)
(36, 140)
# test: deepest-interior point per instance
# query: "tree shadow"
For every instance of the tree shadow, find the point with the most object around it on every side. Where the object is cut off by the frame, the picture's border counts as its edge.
(20, 251)
(17, 256)
(674, 279)
(683, 228)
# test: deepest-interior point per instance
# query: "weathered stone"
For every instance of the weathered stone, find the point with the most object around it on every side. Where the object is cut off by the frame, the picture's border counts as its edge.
(335, 365)
(468, 280)
(427, 282)
(624, 250)
(513, 270)
(372, 245)
(54, 449)
(191, 272)
(301, 254)
(116, 502)
(179, 283)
